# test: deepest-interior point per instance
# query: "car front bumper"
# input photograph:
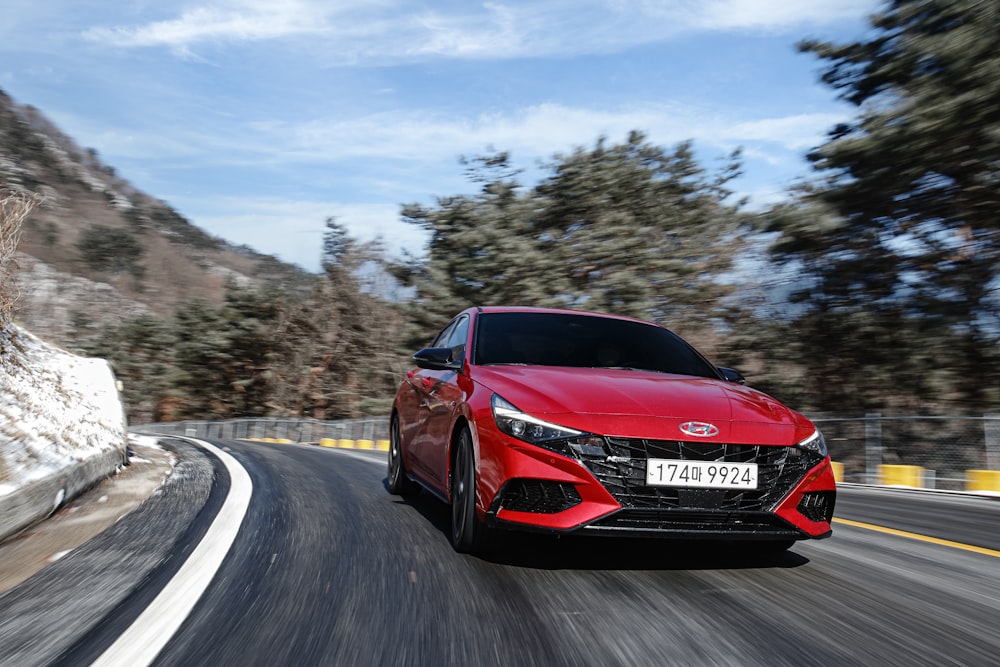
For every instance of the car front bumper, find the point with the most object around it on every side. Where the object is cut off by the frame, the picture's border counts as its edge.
(527, 487)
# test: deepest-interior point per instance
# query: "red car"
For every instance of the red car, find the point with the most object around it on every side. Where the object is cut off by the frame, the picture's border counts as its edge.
(570, 422)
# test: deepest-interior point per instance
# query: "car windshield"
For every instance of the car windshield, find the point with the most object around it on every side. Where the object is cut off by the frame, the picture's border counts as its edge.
(587, 341)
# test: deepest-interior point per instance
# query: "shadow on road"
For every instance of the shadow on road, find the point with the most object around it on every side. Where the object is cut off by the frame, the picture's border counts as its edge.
(547, 552)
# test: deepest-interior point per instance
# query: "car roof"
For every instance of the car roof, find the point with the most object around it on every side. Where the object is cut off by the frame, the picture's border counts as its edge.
(555, 311)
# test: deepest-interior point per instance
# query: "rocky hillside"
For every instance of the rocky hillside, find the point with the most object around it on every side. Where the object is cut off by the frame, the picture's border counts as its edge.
(97, 250)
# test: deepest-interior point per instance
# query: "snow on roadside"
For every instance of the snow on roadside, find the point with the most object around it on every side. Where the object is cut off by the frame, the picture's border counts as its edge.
(56, 409)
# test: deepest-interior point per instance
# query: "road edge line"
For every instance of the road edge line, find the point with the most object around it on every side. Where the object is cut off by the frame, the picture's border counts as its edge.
(917, 536)
(142, 641)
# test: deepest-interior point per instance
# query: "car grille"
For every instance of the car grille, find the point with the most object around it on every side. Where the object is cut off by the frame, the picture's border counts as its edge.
(539, 496)
(622, 471)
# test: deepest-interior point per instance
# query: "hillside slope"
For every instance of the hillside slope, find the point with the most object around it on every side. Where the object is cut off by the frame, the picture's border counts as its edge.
(97, 249)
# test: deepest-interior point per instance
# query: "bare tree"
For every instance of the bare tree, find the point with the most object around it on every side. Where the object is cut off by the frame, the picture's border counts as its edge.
(14, 209)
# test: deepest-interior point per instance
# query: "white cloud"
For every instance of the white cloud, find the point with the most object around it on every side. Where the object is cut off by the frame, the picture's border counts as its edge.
(535, 131)
(799, 132)
(540, 130)
(240, 21)
(766, 15)
(396, 30)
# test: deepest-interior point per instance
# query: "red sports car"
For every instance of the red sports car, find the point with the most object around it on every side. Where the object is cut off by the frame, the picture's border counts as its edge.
(570, 422)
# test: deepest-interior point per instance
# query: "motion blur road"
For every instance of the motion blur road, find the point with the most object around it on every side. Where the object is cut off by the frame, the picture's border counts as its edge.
(329, 569)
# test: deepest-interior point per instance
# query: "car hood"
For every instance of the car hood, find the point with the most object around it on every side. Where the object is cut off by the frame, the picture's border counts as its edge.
(644, 404)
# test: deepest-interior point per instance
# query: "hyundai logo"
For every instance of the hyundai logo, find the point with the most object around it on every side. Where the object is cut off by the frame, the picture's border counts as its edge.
(700, 429)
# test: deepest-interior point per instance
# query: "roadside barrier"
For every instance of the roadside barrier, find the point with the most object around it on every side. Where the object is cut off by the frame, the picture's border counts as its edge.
(923, 451)
(380, 445)
(901, 475)
(343, 443)
(982, 480)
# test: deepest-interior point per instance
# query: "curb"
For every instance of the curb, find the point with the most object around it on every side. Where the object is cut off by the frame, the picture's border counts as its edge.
(37, 500)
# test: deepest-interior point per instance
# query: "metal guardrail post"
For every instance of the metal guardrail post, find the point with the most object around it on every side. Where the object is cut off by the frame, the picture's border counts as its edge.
(873, 446)
(991, 435)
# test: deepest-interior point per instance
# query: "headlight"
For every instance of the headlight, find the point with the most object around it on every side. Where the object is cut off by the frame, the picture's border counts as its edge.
(515, 423)
(815, 444)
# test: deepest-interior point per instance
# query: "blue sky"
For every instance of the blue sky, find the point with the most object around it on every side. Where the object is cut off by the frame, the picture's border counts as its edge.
(258, 119)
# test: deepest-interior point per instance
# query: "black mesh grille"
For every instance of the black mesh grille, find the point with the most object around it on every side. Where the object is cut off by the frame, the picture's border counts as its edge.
(540, 496)
(817, 505)
(622, 471)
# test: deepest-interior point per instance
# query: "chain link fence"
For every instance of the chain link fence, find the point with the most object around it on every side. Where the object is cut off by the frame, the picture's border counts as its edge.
(296, 430)
(944, 447)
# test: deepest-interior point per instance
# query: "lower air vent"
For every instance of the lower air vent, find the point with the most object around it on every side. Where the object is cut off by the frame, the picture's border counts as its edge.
(817, 505)
(539, 496)
(684, 521)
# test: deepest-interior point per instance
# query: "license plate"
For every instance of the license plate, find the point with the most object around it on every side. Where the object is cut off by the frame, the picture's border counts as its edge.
(701, 474)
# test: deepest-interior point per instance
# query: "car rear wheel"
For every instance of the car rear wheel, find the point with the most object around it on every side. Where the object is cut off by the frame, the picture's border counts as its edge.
(399, 483)
(468, 534)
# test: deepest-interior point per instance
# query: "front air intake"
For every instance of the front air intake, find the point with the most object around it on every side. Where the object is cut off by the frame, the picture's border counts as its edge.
(817, 505)
(538, 495)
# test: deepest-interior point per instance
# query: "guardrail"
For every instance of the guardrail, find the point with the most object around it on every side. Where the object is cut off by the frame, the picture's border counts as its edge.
(951, 453)
(941, 452)
(265, 428)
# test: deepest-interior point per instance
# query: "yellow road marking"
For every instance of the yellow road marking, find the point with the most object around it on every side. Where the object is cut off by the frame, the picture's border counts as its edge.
(918, 536)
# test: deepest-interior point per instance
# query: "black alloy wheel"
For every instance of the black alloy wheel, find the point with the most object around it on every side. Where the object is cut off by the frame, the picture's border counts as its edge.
(468, 534)
(399, 483)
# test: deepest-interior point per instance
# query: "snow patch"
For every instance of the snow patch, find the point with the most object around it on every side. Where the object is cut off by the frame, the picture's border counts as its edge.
(56, 409)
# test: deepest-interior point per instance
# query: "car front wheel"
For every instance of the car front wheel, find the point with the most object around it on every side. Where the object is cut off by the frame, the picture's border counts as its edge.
(399, 484)
(468, 534)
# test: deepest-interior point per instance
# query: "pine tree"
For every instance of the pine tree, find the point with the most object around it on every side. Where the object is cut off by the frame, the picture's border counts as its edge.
(631, 229)
(903, 230)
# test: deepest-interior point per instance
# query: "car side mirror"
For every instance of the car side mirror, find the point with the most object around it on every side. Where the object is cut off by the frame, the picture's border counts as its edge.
(437, 359)
(732, 375)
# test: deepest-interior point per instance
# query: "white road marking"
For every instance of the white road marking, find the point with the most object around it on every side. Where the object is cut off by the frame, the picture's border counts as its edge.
(146, 637)
(377, 457)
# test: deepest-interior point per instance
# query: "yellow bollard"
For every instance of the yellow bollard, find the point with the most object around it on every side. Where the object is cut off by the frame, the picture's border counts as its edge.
(365, 444)
(382, 445)
(327, 442)
(982, 480)
(838, 471)
(345, 444)
(898, 475)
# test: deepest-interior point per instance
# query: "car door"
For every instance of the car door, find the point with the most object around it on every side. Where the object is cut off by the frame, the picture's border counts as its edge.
(447, 397)
(424, 404)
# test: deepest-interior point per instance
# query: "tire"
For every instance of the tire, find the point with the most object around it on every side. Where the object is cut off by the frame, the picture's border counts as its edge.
(468, 534)
(399, 484)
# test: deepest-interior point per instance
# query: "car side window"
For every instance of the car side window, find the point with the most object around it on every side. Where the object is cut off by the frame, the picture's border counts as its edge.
(457, 338)
(441, 340)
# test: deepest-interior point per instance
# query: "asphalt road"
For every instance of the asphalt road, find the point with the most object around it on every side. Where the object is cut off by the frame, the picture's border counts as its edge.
(329, 569)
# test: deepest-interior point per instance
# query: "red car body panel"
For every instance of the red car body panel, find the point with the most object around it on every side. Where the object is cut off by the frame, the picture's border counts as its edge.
(637, 405)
